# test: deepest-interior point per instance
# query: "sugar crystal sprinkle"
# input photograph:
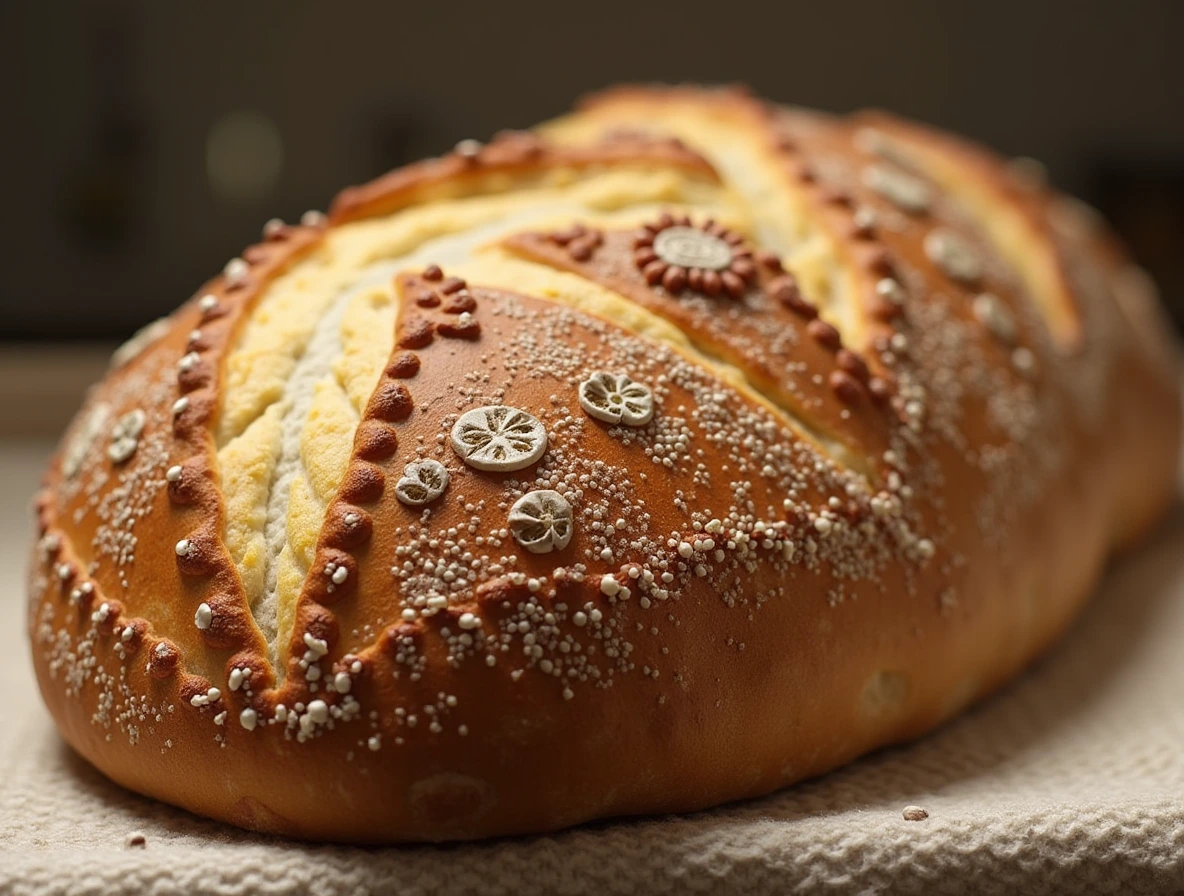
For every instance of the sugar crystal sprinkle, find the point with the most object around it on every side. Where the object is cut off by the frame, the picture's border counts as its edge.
(236, 271)
(468, 148)
(469, 621)
(890, 290)
(204, 617)
(318, 711)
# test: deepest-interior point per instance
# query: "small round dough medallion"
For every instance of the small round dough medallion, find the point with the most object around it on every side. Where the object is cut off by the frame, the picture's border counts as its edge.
(614, 398)
(125, 437)
(541, 521)
(907, 193)
(423, 482)
(498, 438)
(690, 247)
(953, 255)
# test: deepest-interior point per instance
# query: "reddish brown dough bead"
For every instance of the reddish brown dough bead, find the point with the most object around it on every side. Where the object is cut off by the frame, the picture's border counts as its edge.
(824, 334)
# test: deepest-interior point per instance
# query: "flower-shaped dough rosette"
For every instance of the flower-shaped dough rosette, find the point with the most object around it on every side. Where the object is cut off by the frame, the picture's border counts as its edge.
(125, 437)
(499, 438)
(423, 482)
(541, 521)
(707, 258)
(615, 398)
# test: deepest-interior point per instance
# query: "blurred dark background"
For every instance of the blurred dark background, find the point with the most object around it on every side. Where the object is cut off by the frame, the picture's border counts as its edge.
(145, 143)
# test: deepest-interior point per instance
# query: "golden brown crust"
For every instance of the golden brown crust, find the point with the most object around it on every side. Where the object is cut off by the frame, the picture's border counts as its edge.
(803, 527)
(510, 153)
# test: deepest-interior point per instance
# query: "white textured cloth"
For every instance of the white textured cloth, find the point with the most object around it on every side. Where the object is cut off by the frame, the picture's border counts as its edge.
(1070, 781)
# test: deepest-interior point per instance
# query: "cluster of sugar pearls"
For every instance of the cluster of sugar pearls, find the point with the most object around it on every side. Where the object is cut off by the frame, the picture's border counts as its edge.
(943, 367)
(435, 566)
(130, 500)
(119, 507)
(77, 662)
(306, 719)
(948, 367)
(119, 495)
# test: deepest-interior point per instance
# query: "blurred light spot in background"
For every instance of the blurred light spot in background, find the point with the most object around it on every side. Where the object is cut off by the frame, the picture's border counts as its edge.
(244, 157)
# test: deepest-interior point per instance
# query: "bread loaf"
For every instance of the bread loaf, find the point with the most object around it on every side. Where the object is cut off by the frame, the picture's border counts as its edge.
(676, 451)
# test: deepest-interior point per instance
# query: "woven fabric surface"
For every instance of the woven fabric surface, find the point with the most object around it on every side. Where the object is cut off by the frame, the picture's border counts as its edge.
(1071, 780)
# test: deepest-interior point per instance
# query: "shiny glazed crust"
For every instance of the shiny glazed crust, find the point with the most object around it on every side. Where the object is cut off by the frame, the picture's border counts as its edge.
(675, 452)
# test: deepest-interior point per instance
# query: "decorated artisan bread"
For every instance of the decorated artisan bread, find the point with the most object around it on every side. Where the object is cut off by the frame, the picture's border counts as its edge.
(679, 450)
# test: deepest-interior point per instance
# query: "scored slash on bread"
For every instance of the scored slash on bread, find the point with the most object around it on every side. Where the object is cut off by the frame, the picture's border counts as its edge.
(683, 449)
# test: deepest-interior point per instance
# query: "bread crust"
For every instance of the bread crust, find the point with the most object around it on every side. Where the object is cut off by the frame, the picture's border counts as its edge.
(845, 518)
